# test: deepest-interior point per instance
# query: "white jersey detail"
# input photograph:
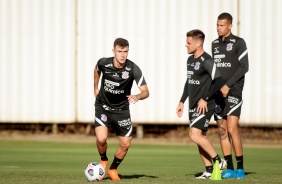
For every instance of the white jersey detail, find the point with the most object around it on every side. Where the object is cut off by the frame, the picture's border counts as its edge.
(99, 121)
(243, 54)
(213, 71)
(129, 132)
(197, 119)
(234, 108)
(140, 81)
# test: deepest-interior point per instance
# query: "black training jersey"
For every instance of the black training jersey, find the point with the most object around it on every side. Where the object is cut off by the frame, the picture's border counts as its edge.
(231, 58)
(201, 72)
(116, 83)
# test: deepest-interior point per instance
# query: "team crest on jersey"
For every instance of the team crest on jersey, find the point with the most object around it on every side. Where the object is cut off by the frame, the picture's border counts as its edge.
(229, 46)
(197, 66)
(125, 75)
(103, 117)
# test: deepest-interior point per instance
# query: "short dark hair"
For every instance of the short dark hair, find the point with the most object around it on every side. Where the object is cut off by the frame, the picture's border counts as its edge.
(196, 34)
(121, 42)
(226, 16)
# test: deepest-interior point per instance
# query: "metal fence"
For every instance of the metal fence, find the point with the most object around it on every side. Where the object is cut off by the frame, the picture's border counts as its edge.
(48, 50)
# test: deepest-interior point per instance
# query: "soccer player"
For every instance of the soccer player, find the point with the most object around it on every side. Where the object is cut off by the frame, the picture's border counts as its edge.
(112, 102)
(203, 81)
(231, 57)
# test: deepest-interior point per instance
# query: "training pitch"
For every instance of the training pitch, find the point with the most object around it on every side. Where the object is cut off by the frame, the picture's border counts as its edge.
(34, 162)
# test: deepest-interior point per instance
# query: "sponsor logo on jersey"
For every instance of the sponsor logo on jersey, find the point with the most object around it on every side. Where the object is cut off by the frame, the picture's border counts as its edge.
(115, 75)
(233, 40)
(104, 117)
(229, 46)
(192, 110)
(202, 58)
(128, 69)
(125, 122)
(233, 100)
(197, 66)
(109, 86)
(219, 56)
(207, 123)
(125, 75)
(107, 108)
(192, 81)
(190, 72)
(217, 60)
(216, 50)
(111, 82)
(109, 65)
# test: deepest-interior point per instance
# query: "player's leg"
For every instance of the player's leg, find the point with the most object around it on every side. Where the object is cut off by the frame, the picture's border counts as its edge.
(197, 137)
(123, 129)
(237, 144)
(208, 164)
(226, 148)
(101, 142)
(124, 144)
(101, 132)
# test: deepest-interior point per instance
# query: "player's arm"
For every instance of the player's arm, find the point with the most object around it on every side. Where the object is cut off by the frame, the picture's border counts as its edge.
(141, 96)
(97, 75)
(180, 107)
(242, 51)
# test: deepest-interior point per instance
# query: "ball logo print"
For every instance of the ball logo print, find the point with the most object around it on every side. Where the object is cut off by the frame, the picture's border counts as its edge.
(94, 172)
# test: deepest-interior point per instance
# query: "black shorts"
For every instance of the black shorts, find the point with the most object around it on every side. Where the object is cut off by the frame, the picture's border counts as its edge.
(201, 121)
(230, 106)
(119, 121)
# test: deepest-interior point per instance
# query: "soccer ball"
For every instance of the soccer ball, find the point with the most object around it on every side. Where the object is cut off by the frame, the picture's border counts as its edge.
(94, 172)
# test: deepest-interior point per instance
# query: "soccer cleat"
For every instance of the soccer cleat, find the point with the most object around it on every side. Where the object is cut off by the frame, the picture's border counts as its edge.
(113, 174)
(240, 173)
(229, 174)
(104, 163)
(205, 175)
(222, 165)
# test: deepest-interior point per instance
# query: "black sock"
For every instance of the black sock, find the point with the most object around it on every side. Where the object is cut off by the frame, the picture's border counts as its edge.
(216, 158)
(104, 156)
(240, 162)
(209, 169)
(229, 161)
(116, 163)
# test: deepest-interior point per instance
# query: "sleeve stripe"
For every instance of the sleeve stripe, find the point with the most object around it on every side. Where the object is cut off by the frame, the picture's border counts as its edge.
(243, 54)
(213, 71)
(140, 81)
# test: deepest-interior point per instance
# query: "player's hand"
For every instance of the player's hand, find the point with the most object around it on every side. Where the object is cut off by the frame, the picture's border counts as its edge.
(224, 90)
(202, 106)
(179, 109)
(133, 98)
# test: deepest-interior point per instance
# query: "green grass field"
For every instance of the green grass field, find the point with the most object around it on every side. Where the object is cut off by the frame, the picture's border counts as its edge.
(34, 162)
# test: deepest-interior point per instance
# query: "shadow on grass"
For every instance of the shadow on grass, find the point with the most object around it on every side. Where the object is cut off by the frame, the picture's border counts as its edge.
(134, 176)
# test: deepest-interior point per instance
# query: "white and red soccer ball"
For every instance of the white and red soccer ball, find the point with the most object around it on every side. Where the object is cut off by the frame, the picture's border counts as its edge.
(94, 172)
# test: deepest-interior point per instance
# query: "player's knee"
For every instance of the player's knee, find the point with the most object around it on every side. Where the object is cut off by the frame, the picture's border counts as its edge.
(233, 130)
(125, 145)
(222, 132)
(193, 136)
(101, 141)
